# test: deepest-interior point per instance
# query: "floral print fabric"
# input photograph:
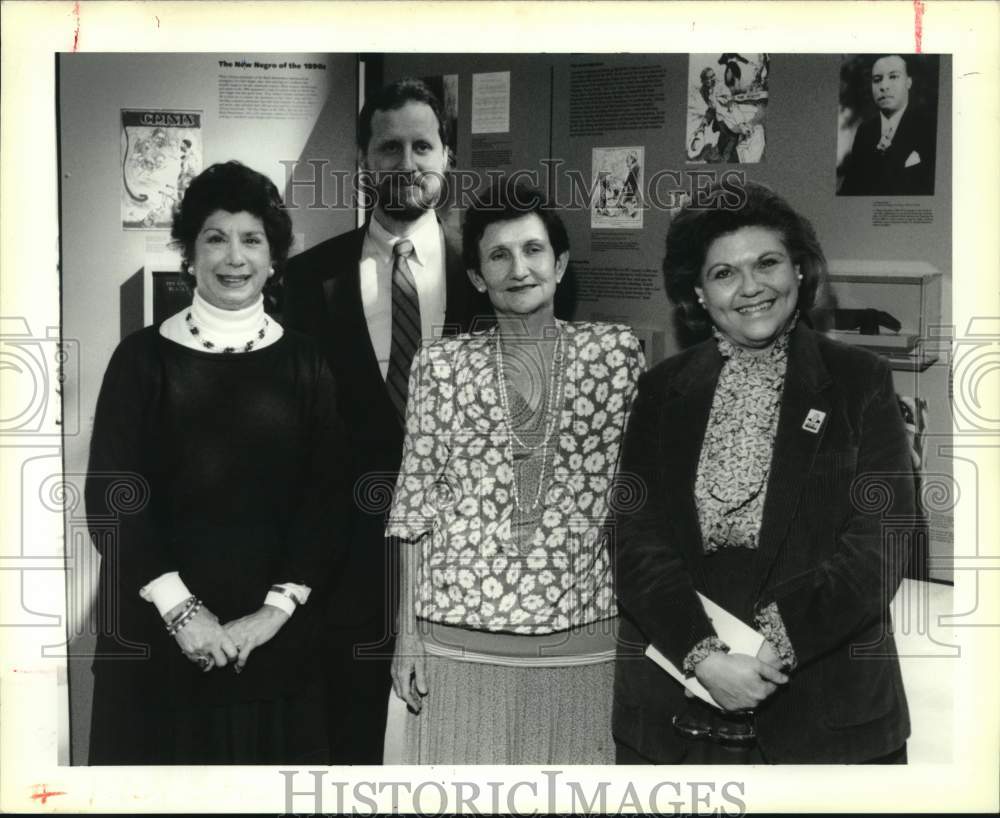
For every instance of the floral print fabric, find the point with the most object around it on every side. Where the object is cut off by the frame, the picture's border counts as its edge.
(769, 622)
(736, 454)
(701, 650)
(455, 484)
(734, 466)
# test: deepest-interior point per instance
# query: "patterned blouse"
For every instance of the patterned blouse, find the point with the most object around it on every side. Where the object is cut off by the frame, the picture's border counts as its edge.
(457, 485)
(735, 459)
(734, 467)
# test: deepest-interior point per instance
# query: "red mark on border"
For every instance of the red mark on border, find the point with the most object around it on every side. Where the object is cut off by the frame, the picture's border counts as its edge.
(76, 39)
(43, 794)
(918, 25)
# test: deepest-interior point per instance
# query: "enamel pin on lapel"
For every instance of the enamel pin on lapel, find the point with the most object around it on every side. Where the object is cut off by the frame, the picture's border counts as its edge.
(814, 421)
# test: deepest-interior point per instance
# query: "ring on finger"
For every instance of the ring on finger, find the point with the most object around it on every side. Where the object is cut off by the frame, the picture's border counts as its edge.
(204, 661)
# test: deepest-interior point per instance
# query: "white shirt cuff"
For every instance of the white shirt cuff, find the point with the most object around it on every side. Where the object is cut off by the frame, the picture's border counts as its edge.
(278, 600)
(165, 592)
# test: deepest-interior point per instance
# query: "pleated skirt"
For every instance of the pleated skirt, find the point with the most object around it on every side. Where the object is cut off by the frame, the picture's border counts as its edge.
(481, 713)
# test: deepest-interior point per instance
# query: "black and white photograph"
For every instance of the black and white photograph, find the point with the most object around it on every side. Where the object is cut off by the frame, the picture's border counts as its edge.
(887, 125)
(225, 594)
(356, 469)
(727, 102)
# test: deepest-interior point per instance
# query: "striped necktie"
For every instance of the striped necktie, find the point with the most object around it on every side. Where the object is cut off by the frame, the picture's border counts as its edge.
(405, 326)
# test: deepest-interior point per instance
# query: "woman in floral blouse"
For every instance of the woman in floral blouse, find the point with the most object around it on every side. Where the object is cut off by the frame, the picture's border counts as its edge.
(778, 484)
(507, 615)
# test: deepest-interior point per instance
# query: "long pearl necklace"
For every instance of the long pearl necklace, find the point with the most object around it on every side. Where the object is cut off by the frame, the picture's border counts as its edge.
(552, 409)
(195, 330)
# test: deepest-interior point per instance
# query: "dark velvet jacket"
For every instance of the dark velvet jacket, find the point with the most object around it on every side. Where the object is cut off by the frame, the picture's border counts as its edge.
(323, 300)
(838, 522)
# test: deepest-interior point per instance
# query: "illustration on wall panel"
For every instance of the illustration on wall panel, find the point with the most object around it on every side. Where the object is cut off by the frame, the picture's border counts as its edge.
(616, 186)
(161, 153)
(727, 107)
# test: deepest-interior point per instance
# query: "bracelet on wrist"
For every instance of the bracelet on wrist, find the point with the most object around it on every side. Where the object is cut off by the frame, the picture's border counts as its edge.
(189, 614)
(189, 603)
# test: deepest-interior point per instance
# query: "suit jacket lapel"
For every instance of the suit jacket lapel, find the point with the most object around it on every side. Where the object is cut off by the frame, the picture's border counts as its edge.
(794, 448)
(342, 294)
(352, 343)
(455, 284)
(683, 423)
(900, 139)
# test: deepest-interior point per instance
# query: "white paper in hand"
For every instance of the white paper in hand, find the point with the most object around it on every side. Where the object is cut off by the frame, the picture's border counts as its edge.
(740, 637)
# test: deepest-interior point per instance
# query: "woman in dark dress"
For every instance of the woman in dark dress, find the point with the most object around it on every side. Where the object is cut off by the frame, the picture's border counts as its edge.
(215, 496)
(778, 484)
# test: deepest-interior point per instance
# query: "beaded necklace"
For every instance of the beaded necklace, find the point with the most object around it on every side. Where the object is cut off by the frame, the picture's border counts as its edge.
(552, 411)
(195, 330)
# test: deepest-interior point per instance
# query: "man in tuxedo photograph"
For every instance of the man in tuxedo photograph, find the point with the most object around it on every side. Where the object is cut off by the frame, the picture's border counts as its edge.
(364, 296)
(893, 152)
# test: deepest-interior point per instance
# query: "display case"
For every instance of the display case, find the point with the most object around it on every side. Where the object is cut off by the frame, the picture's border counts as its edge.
(172, 292)
(890, 307)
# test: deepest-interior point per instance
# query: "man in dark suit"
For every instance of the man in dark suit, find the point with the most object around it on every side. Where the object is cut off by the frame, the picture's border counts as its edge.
(366, 296)
(893, 154)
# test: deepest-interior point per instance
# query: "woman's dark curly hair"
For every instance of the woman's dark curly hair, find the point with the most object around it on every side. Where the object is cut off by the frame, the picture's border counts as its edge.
(235, 188)
(693, 230)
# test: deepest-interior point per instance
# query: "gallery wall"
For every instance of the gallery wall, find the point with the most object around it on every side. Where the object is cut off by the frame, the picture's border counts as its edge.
(98, 255)
(563, 107)
(800, 159)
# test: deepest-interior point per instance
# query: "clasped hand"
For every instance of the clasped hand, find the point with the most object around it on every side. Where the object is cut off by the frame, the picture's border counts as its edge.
(204, 641)
(738, 681)
(203, 636)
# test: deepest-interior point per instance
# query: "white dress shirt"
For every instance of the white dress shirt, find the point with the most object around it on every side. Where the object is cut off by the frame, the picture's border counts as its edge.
(889, 124)
(428, 267)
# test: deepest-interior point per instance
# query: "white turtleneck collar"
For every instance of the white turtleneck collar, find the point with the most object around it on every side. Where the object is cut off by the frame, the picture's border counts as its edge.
(222, 328)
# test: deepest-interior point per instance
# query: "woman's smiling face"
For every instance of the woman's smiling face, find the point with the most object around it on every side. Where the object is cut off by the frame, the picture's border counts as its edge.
(749, 285)
(232, 259)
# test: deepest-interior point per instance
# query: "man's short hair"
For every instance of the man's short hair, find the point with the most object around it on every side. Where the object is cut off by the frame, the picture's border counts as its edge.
(905, 58)
(394, 96)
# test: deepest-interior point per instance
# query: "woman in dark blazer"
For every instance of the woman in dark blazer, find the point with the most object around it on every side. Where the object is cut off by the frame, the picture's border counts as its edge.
(776, 480)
